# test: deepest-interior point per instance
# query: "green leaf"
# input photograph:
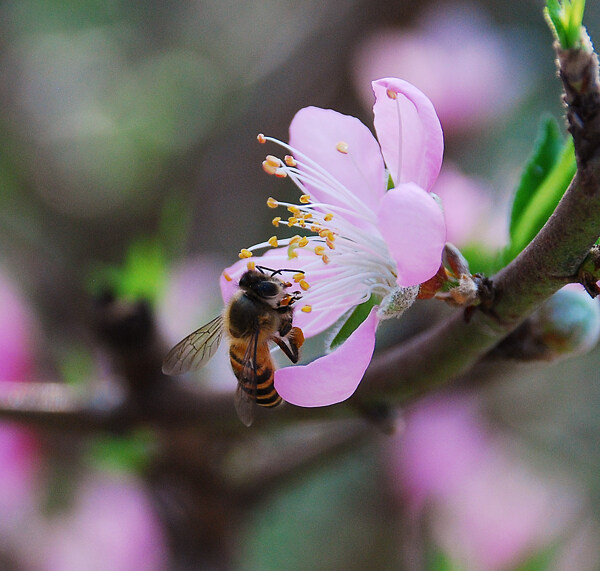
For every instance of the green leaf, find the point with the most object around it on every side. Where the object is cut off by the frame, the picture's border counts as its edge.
(122, 453)
(358, 315)
(437, 560)
(565, 19)
(547, 147)
(540, 204)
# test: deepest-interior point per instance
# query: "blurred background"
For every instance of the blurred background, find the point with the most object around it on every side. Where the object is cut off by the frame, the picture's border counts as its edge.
(128, 159)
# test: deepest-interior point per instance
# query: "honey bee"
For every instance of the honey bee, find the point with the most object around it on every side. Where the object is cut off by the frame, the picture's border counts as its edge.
(260, 311)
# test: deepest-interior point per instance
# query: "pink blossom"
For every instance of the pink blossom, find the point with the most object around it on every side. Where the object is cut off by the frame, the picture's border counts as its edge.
(111, 526)
(487, 509)
(363, 240)
(455, 57)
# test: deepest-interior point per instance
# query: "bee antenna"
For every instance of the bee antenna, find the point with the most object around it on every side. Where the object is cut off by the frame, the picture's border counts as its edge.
(275, 272)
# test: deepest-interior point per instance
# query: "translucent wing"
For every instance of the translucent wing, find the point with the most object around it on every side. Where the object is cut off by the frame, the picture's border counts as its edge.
(245, 394)
(195, 350)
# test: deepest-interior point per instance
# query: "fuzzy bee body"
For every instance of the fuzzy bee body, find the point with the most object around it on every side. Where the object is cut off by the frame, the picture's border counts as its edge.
(259, 312)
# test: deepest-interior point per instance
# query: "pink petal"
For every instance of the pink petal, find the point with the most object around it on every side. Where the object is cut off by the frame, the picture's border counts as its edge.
(316, 132)
(409, 132)
(322, 315)
(412, 224)
(334, 377)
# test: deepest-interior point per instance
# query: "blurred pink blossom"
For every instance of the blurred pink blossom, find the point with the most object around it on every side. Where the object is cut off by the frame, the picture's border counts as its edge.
(19, 452)
(111, 527)
(487, 509)
(470, 213)
(455, 56)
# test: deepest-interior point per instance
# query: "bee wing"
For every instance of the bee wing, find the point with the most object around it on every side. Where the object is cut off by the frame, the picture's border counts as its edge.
(245, 394)
(195, 350)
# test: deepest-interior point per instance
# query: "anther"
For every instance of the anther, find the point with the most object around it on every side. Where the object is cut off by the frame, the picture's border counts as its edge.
(306, 308)
(294, 240)
(290, 161)
(273, 241)
(303, 242)
(325, 259)
(304, 284)
(391, 94)
(276, 221)
(245, 253)
(251, 265)
(328, 217)
(294, 210)
(261, 138)
(269, 168)
(305, 198)
(342, 147)
(280, 173)
(227, 277)
(292, 220)
(297, 277)
(273, 161)
(330, 244)
(272, 203)
(319, 250)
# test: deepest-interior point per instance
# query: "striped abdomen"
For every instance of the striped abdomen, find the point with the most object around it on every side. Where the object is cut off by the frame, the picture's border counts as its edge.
(256, 381)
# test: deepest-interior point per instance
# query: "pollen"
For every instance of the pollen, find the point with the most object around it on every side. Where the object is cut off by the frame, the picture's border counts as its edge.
(305, 198)
(290, 161)
(294, 240)
(251, 265)
(303, 242)
(391, 94)
(292, 220)
(245, 253)
(319, 250)
(330, 244)
(273, 241)
(342, 147)
(308, 215)
(325, 259)
(297, 277)
(306, 308)
(227, 277)
(294, 210)
(272, 203)
(276, 221)
(328, 217)
(269, 168)
(261, 138)
(304, 284)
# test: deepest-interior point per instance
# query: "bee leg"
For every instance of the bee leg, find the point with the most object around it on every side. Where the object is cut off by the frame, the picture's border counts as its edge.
(291, 343)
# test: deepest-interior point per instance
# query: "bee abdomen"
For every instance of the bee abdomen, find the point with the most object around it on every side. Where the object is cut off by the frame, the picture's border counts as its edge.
(264, 389)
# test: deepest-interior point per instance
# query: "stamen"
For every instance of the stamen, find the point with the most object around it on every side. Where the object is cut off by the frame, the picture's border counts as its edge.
(245, 253)
(330, 244)
(304, 284)
(276, 221)
(272, 203)
(319, 250)
(391, 94)
(261, 138)
(294, 210)
(305, 198)
(227, 277)
(280, 173)
(303, 242)
(294, 240)
(306, 308)
(273, 241)
(273, 161)
(297, 277)
(251, 265)
(342, 147)
(328, 217)
(325, 259)
(290, 161)
(292, 220)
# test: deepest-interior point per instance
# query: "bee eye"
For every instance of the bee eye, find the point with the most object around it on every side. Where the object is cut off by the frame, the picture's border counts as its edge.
(266, 289)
